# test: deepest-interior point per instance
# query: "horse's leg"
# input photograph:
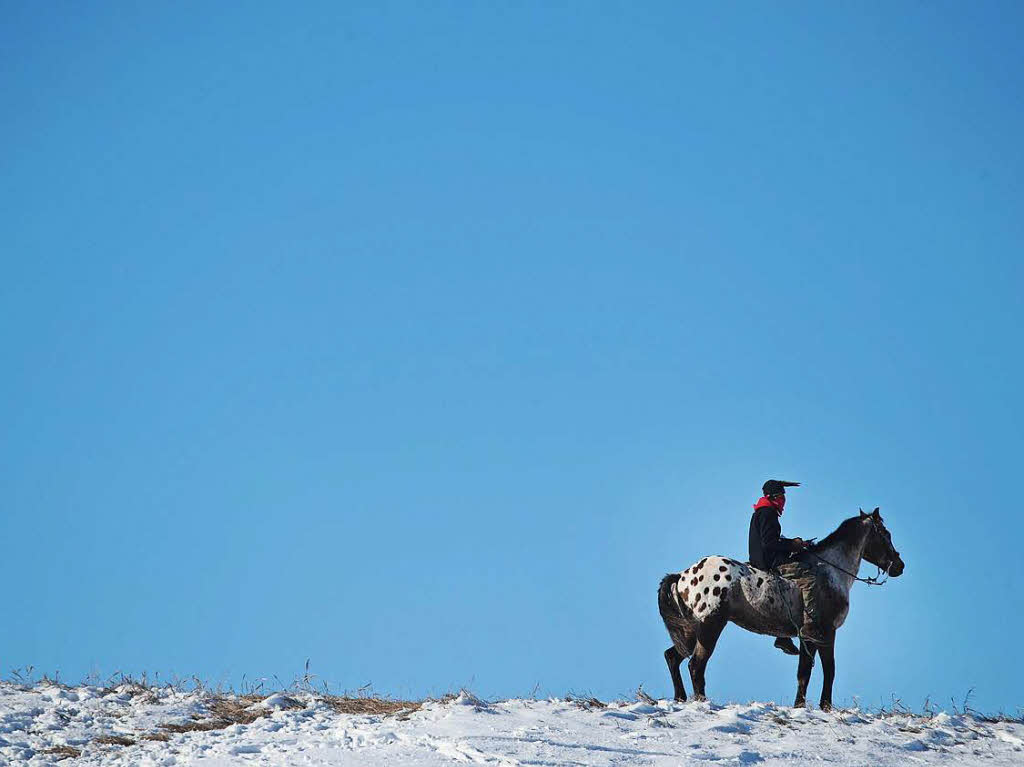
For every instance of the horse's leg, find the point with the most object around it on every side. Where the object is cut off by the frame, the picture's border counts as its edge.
(828, 668)
(707, 637)
(674, 659)
(803, 672)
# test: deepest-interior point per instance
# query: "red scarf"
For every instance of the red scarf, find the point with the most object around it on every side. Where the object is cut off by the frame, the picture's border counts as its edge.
(778, 504)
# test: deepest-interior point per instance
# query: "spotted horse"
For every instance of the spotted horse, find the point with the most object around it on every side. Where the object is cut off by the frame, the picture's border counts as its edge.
(697, 603)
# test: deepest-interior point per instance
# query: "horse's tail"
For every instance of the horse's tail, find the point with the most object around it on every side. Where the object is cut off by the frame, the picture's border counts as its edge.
(679, 619)
(666, 604)
(675, 613)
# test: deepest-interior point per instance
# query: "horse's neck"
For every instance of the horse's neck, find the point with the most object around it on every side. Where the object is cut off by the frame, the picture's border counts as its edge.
(846, 556)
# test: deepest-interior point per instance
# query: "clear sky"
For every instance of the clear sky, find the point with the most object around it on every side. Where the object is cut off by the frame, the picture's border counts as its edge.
(422, 339)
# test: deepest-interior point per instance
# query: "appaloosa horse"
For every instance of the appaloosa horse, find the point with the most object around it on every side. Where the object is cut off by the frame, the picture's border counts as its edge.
(697, 603)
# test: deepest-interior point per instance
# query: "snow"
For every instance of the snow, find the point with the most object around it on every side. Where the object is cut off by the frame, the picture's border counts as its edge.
(302, 728)
(280, 701)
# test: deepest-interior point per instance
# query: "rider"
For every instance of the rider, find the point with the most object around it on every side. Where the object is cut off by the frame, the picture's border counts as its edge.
(770, 551)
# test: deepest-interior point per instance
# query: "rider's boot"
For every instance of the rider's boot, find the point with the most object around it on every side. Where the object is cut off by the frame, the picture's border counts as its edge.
(786, 645)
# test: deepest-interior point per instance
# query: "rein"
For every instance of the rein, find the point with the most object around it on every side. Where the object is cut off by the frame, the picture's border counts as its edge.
(874, 580)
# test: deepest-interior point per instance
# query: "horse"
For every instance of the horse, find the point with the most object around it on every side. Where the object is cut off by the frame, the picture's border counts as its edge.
(697, 603)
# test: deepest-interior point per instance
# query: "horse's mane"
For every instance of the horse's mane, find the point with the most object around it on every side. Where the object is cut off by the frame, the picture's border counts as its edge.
(841, 533)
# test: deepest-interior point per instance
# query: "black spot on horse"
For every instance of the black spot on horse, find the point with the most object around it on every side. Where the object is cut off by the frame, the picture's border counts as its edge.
(716, 590)
(706, 589)
(718, 577)
(722, 568)
(701, 578)
(725, 593)
(771, 600)
(701, 563)
(728, 577)
(686, 594)
(759, 582)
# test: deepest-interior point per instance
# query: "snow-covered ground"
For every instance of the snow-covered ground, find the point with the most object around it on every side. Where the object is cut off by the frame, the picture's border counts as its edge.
(49, 723)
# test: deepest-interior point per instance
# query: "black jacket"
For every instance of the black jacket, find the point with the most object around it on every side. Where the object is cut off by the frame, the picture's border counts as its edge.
(768, 548)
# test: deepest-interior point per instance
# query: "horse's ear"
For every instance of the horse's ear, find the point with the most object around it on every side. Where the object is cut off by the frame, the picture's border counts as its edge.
(875, 513)
(862, 514)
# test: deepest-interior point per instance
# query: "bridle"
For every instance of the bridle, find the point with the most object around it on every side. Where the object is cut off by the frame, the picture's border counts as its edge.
(874, 580)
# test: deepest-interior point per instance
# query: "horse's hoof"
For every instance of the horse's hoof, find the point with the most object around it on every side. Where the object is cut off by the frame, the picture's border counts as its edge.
(800, 703)
(825, 706)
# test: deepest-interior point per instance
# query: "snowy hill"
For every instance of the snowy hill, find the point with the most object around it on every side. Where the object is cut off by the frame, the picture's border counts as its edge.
(129, 724)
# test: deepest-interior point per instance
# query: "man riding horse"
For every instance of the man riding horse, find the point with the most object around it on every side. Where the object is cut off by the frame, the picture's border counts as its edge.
(770, 551)
(698, 603)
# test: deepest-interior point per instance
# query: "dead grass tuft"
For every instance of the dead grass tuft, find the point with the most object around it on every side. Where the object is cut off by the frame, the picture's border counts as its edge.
(344, 704)
(198, 725)
(162, 737)
(224, 713)
(128, 686)
(586, 702)
(236, 711)
(62, 752)
(114, 740)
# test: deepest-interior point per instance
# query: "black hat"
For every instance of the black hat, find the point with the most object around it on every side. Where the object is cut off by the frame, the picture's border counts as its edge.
(777, 487)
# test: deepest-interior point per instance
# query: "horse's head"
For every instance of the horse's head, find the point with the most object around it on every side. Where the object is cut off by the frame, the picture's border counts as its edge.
(878, 550)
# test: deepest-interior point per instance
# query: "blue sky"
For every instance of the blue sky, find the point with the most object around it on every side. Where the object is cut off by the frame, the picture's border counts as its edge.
(421, 340)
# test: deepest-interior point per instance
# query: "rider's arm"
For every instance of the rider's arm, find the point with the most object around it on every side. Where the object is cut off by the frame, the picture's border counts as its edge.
(770, 532)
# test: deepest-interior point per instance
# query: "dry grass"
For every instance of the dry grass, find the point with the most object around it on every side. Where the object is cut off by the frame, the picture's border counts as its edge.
(198, 725)
(114, 740)
(62, 752)
(162, 737)
(132, 688)
(236, 711)
(586, 702)
(224, 713)
(344, 704)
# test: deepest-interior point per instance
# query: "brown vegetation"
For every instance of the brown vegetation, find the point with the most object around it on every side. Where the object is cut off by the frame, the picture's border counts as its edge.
(114, 740)
(344, 704)
(62, 752)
